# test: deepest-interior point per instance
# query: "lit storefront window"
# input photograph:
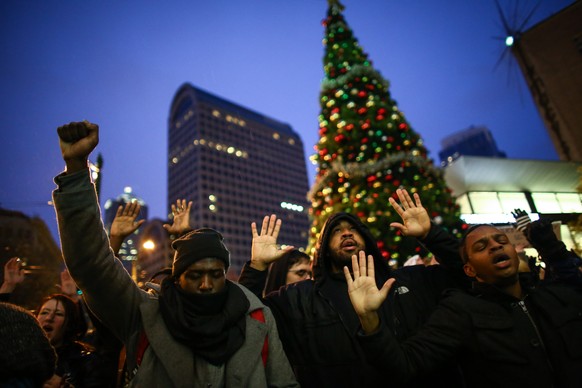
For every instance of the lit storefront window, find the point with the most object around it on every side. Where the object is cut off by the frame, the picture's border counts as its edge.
(546, 202)
(485, 203)
(512, 201)
(569, 202)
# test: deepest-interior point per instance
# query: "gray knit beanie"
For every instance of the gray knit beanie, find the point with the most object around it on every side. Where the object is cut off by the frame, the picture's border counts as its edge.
(25, 349)
(197, 245)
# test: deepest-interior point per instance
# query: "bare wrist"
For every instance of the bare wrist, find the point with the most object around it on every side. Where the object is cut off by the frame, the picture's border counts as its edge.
(75, 165)
(370, 322)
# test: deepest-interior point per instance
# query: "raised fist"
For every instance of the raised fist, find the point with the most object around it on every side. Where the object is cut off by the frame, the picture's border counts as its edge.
(77, 140)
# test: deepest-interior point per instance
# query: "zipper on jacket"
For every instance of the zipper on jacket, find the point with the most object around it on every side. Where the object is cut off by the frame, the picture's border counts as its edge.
(524, 308)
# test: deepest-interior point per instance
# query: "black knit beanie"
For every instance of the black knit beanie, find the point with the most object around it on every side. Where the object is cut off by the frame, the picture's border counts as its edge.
(26, 350)
(197, 245)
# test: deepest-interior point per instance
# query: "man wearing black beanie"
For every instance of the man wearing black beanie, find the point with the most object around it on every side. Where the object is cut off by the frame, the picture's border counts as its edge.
(202, 331)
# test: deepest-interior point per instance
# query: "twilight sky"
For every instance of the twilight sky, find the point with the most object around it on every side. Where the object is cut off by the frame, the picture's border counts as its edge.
(119, 63)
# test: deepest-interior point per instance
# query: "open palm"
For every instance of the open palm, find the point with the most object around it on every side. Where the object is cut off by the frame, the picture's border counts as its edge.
(364, 294)
(415, 218)
(264, 246)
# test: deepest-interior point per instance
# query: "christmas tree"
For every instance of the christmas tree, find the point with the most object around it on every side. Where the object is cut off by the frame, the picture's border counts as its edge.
(367, 149)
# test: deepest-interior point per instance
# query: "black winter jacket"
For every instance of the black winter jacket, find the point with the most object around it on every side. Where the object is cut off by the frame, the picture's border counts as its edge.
(318, 326)
(500, 341)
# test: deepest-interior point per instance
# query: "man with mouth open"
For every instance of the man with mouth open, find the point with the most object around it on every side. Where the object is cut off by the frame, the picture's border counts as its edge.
(316, 321)
(502, 333)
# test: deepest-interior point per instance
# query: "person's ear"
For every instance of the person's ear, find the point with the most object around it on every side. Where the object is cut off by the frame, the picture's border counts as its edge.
(469, 270)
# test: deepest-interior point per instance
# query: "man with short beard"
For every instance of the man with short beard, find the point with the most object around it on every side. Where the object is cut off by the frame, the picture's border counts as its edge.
(503, 332)
(201, 331)
(317, 323)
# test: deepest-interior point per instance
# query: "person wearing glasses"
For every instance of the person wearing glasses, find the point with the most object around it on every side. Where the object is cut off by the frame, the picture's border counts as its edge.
(294, 266)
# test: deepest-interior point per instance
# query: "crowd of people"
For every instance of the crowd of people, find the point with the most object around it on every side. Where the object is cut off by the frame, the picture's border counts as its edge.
(475, 317)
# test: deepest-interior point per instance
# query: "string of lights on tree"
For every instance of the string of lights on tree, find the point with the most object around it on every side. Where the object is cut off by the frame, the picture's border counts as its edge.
(367, 149)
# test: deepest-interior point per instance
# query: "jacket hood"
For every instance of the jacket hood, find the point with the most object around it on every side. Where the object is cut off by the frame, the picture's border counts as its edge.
(321, 258)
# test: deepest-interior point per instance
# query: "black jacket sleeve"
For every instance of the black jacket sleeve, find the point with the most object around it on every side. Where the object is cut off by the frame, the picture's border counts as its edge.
(435, 345)
(445, 248)
(253, 279)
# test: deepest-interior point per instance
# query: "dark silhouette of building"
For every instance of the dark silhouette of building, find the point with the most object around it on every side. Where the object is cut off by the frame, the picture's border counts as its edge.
(236, 166)
(549, 56)
(30, 239)
(473, 141)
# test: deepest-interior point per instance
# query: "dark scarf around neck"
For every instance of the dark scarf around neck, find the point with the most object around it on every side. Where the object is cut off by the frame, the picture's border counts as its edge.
(212, 325)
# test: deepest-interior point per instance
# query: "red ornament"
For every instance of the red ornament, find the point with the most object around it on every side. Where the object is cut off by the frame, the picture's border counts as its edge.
(361, 94)
(361, 214)
(335, 110)
(349, 127)
(380, 244)
(339, 138)
(362, 110)
(381, 111)
(379, 118)
(388, 177)
(365, 140)
(371, 178)
(403, 126)
(396, 183)
(365, 126)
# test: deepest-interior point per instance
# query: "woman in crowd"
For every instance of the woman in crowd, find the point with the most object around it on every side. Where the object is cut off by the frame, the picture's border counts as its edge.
(78, 365)
(294, 266)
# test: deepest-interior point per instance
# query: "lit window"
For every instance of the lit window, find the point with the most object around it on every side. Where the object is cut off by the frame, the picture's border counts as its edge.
(570, 202)
(463, 202)
(485, 202)
(546, 202)
(215, 113)
(276, 136)
(174, 160)
(512, 201)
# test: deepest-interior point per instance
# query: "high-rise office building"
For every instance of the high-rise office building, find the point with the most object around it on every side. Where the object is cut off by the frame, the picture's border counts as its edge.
(473, 141)
(236, 166)
(549, 56)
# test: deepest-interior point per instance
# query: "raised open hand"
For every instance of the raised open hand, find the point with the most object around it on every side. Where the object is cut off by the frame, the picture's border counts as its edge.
(415, 219)
(264, 247)
(364, 294)
(181, 212)
(13, 275)
(124, 222)
(68, 286)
